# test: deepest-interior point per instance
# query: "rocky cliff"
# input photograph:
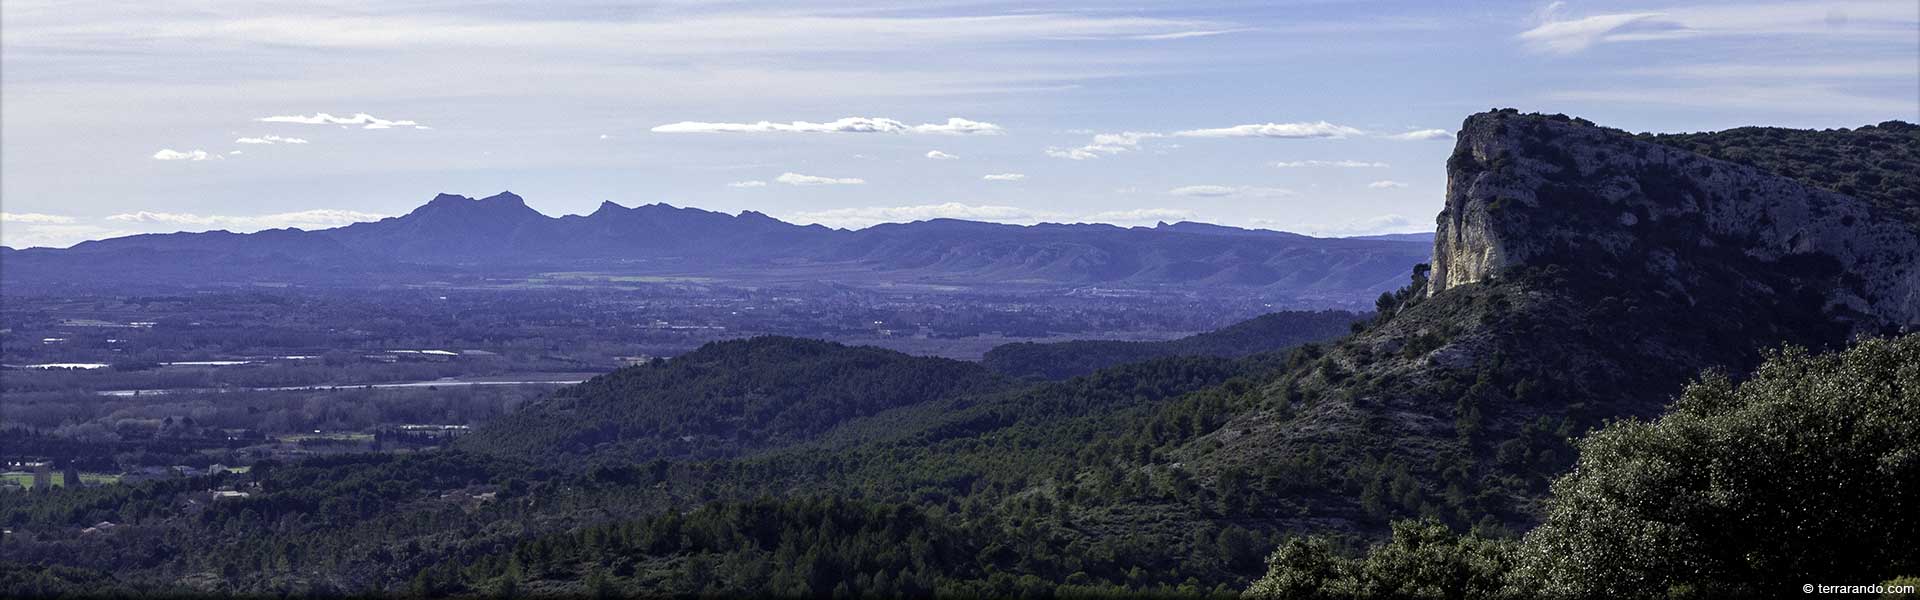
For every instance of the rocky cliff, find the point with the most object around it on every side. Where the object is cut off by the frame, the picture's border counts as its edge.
(1527, 189)
(1580, 274)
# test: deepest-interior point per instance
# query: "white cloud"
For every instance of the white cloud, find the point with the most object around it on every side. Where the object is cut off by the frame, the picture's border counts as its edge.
(1566, 37)
(1317, 129)
(364, 120)
(791, 178)
(1107, 144)
(35, 218)
(958, 126)
(1141, 216)
(938, 155)
(24, 230)
(1224, 191)
(1104, 144)
(953, 126)
(306, 219)
(270, 139)
(1391, 223)
(1342, 164)
(747, 184)
(605, 136)
(1386, 184)
(1005, 177)
(854, 218)
(1181, 35)
(1423, 134)
(54, 235)
(171, 154)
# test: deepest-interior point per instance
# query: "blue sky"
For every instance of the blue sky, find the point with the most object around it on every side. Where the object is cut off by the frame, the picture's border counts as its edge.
(1322, 117)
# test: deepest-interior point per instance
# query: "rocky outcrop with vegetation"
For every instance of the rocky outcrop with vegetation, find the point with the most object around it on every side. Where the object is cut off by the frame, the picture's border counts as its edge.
(1528, 190)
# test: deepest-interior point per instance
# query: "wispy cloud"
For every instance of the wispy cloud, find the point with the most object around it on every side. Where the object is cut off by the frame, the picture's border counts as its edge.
(1342, 164)
(1574, 35)
(270, 139)
(306, 219)
(1423, 134)
(854, 218)
(53, 235)
(938, 155)
(1224, 191)
(171, 154)
(37, 218)
(364, 120)
(1558, 34)
(1181, 35)
(798, 179)
(1108, 144)
(1870, 69)
(747, 184)
(1316, 129)
(953, 126)
(1806, 98)
(672, 33)
(1139, 216)
(1389, 223)
(1005, 177)
(1386, 184)
(1104, 144)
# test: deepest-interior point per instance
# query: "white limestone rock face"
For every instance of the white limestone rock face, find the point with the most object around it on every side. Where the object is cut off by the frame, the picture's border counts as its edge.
(1531, 189)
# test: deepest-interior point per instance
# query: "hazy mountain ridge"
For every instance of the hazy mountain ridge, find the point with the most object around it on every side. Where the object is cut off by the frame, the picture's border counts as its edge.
(501, 233)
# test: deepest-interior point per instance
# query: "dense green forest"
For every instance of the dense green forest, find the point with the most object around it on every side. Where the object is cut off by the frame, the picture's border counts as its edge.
(1804, 473)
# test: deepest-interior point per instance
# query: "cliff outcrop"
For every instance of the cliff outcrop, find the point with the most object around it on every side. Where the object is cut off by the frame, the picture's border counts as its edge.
(1530, 190)
(1580, 274)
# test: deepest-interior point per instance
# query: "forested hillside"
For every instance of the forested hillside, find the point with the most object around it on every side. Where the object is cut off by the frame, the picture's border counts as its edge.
(725, 399)
(1751, 489)
(1266, 333)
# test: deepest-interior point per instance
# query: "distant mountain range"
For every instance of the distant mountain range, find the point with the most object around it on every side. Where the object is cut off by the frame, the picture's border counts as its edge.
(454, 235)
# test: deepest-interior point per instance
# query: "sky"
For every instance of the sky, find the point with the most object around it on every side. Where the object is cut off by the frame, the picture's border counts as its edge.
(1323, 117)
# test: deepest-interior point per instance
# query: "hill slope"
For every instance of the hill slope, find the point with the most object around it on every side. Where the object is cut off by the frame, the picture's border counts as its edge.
(725, 399)
(1266, 333)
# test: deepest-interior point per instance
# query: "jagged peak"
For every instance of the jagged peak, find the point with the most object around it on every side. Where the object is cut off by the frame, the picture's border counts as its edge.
(506, 198)
(504, 203)
(754, 216)
(609, 208)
